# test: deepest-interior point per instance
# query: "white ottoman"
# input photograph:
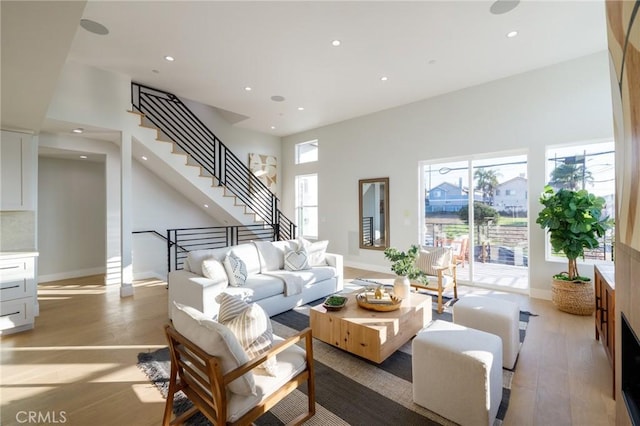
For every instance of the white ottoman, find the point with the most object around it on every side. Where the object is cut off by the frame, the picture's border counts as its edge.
(457, 373)
(495, 316)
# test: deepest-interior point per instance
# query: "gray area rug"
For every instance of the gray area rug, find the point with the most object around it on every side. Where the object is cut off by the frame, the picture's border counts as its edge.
(349, 390)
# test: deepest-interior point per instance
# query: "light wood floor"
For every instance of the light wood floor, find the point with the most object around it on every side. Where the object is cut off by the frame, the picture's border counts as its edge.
(81, 360)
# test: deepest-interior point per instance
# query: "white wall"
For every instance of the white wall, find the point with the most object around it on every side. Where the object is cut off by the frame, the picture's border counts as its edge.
(157, 206)
(71, 218)
(565, 103)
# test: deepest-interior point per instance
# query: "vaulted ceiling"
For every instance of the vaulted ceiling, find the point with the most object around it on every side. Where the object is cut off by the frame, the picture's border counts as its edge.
(422, 48)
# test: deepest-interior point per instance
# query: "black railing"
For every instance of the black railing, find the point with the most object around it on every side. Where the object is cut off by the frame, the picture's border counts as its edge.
(172, 117)
(367, 231)
(183, 240)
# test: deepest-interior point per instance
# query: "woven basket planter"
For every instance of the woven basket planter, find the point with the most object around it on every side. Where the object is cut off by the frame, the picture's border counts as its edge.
(574, 297)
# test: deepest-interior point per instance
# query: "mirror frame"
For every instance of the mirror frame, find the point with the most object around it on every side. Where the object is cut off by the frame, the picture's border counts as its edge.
(385, 206)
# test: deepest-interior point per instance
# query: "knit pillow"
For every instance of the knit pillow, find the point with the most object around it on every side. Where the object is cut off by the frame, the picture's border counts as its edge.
(296, 260)
(433, 258)
(251, 326)
(236, 270)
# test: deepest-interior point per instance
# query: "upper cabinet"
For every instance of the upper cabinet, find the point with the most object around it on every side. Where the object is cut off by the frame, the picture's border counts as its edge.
(18, 162)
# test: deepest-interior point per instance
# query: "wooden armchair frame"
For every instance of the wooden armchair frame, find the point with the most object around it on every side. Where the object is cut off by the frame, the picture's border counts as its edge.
(440, 285)
(199, 375)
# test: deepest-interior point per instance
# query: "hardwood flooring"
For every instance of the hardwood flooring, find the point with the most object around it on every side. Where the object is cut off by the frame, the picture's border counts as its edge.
(78, 365)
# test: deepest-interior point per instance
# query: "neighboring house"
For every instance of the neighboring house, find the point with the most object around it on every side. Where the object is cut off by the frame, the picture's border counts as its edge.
(447, 198)
(512, 196)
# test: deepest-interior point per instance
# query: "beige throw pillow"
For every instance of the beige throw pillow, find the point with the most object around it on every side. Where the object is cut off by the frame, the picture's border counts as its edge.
(215, 339)
(432, 258)
(251, 326)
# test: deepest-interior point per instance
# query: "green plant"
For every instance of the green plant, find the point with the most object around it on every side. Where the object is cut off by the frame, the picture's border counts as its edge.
(574, 222)
(404, 264)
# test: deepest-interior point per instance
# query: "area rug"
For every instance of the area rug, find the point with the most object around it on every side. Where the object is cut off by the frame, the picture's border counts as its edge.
(349, 390)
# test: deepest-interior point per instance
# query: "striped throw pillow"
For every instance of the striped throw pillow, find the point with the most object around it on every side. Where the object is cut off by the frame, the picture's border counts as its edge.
(432, 258)
(251, 326)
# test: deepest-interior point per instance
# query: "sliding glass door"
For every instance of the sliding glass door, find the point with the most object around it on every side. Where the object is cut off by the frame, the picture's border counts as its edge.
(489, 240)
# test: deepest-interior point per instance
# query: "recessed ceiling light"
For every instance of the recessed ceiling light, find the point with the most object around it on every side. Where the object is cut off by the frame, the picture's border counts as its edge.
(512, 34)
(155, 71)
(300, 108)
(169, 58)
(384, 78)
(206, 206)
(84, 157)
(78, 130)
(94, 27)
(273, 127)
(277, 98)
(503, 6)
(248, 89)
(336, 43)
(144, 157)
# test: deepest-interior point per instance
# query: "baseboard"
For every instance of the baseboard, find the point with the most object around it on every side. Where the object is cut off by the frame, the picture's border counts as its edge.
(367, 267)
(148, 275)
(71, 274)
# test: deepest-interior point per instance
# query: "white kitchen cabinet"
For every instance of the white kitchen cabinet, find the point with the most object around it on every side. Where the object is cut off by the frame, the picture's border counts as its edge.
(18, 291)
(18, 162)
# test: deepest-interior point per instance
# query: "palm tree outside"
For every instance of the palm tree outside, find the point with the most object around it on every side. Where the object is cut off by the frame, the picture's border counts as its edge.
(487, 182)
(572, 176)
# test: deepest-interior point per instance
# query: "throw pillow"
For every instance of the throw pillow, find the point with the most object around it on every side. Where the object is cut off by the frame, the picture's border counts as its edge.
(251, 326)
(296, 260)
(316, 252)
(214, 270)
(432, 258)
(236, 270)
(215, 339)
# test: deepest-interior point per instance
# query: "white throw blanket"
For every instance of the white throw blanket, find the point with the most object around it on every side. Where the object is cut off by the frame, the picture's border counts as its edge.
(293, 282)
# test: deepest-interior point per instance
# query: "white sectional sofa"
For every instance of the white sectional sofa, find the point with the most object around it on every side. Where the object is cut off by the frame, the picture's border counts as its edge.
(268, 282)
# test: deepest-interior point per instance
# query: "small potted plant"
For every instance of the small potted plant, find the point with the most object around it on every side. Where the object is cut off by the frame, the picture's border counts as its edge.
(574, 222)
(404, 265)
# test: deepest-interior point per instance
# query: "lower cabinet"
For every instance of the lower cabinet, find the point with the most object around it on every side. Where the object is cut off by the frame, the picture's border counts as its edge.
(605, 327)
(18, 292)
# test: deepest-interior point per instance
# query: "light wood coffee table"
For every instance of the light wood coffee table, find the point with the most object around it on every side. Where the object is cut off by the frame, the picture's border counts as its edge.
(370, 334)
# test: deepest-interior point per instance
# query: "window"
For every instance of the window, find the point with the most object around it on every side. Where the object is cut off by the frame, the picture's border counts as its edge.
(490, 241)
(307, 205)
(307, 152)
(590, 167)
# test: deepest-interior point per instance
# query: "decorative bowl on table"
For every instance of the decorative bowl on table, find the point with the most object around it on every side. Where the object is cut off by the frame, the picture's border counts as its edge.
(334, 303)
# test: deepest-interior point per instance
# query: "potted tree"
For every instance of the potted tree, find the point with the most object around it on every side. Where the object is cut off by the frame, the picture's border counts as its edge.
(404, 265)
(574, 222)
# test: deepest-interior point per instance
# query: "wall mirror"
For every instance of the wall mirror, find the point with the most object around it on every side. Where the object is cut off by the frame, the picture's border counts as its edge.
(374, 213)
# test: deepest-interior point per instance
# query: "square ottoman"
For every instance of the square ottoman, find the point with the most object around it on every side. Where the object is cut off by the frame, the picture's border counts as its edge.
(495, 316)
(457, 372)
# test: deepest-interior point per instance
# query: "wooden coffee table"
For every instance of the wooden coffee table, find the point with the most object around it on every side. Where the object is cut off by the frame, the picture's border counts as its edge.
(370, 334)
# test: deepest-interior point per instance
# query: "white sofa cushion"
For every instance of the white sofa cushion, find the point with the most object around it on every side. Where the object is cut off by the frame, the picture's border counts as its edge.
(248, 253)
(215, 339)
(291, 362)
(195, 258)
(269, 255)
(282, 247)
(215, 271)
(236, 270)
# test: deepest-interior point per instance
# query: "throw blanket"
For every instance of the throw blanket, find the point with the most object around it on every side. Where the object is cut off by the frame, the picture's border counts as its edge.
(293, 282)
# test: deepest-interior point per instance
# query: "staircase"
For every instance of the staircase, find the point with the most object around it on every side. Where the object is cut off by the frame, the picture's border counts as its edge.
(201, 165)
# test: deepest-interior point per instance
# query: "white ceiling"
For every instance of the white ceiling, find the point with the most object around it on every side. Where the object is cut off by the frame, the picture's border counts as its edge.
(425, 48)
